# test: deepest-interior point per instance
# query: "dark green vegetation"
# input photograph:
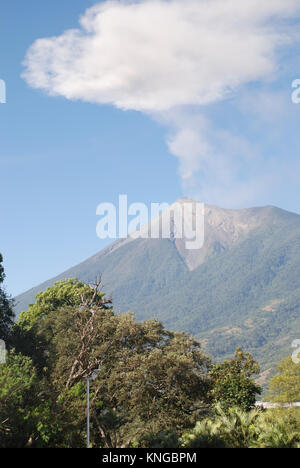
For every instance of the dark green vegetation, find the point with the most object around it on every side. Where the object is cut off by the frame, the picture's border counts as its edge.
(6, 313)
(244, 292)
(150, 379)
(155, 388)
(232, 384)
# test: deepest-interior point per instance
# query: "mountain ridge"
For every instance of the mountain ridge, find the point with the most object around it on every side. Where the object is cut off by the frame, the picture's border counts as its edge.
(241, 289)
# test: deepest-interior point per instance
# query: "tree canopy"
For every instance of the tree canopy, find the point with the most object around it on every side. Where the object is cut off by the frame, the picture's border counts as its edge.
(6, 313)
(153, 385)
(68, 292)
(150, 379)
(232, 383)
(285, 386)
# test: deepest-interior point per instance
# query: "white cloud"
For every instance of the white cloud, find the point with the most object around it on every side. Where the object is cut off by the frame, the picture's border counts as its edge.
(156, 56)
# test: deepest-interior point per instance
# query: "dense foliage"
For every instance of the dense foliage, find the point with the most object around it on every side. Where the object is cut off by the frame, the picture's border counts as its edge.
(235, 428)
(150, 379)
(285, 386)
(232, 384)
(17, 384)
(6, 313)
(154, 388)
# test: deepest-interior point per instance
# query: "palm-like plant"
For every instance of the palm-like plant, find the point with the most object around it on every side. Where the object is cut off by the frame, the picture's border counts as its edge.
(206, 434)
(237, 427)
(233, 428)
(276, 434)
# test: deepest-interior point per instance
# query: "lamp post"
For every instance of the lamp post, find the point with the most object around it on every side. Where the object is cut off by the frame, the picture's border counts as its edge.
(91, 377)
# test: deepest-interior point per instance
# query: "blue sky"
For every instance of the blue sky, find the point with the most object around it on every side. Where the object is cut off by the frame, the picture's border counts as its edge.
(60, 158)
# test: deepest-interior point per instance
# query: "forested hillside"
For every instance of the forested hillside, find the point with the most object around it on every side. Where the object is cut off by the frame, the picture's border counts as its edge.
(245, 291)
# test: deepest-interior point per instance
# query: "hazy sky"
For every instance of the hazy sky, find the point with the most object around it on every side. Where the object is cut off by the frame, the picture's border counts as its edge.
(154, 99)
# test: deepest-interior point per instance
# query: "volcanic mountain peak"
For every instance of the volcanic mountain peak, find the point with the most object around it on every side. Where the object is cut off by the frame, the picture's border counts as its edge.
(222, 229)
(240, 289)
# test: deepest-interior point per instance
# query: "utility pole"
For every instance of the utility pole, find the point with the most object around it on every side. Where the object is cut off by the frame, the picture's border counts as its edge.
(91, 377)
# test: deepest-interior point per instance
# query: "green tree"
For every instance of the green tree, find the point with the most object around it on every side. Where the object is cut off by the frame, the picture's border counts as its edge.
(29, 416)
(150, 380)
(17, 380)
(6, 313)
(68, 292)
(232, 383)
(285, 386)
(65, 293)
